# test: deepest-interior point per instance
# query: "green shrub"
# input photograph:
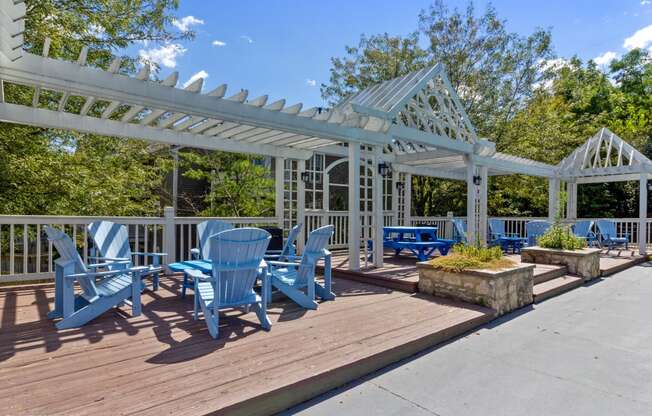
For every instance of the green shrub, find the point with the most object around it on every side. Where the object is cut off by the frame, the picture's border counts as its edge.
(464, 257)
(560, 237)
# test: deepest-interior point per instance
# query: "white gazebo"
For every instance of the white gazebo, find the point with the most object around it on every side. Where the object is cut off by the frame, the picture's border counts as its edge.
(414, 124)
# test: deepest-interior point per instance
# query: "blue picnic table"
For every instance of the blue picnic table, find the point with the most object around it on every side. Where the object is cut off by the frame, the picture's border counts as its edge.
(401, 238)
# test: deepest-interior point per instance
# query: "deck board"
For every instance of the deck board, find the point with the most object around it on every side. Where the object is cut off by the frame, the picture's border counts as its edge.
(163, 362)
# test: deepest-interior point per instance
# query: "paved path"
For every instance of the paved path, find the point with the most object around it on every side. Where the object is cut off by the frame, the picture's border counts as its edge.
(586, 352)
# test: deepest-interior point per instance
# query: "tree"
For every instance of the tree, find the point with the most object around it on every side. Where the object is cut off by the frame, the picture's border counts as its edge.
(494, 71)
(67, 173)
(240, 186)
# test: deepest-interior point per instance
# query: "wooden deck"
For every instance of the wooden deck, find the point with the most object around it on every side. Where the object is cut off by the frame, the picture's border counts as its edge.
(400, 273)
(163, 362)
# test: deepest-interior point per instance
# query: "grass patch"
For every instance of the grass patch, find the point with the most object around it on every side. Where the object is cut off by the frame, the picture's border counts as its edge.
(473, 258)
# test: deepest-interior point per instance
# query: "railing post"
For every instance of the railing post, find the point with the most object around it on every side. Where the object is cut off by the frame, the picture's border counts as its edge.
(279, 185)
(169, 234)
(448, 229)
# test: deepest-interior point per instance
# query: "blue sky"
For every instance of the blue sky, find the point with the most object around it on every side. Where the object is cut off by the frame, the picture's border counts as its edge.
(283, 48)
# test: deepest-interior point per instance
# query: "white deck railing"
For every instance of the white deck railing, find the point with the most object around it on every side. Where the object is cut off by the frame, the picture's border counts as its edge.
(25, 253)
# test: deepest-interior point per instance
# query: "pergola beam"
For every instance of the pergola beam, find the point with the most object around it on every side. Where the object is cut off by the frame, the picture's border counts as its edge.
(13, 113)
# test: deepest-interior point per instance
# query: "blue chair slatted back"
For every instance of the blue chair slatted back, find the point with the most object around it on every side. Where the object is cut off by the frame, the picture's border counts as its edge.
(68, 252)
(112, 240)
(497, 227)
(288, 248)
(314, 250)
(236, 255)
(535, 229)
(207, 229)
(460, 229)
(583, 228)
(607, 228)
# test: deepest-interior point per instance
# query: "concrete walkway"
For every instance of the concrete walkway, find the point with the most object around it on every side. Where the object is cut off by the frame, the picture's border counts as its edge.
(586, 352)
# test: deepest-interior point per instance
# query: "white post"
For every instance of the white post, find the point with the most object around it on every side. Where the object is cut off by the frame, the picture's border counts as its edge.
(175, 179)
(395, 195)
(448, 230)
(354, 206)
(642, 214)
(301, 206)
(553, 198)
(408, 200)
(484, 183)
(571, 208)
(169, 234)
(377, 206)
(279, 185)
(470, 202)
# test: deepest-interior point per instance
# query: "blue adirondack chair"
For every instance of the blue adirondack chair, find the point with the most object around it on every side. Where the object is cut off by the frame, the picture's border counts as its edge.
(289, 248)
(112, 242)
(584, 229)
(294, 276)
(459, 231)
(609, 236)
(97, 296)
(498, 236)
(534, 230)
(236, 257)
(200, 259)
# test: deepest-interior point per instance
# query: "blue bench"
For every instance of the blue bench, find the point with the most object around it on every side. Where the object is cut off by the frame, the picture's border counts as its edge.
(412, 239)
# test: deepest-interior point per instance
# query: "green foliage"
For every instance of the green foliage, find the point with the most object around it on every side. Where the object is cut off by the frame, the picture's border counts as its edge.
(65, 173)
(561, 238)
(517, 95)
(466, 257)
(239, 185)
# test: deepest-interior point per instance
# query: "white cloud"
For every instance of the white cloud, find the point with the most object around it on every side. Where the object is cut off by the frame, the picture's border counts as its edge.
(219, 43)
(641, 39)
(606, 58)
(645, 2)
(553, 64)
(311, 82)
(186, 22)
(247, 39)
(195, 77)
(97, 31)
(165, 55)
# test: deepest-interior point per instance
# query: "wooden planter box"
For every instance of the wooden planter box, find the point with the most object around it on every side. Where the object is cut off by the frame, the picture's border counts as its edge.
(584, 262)
(501, 290)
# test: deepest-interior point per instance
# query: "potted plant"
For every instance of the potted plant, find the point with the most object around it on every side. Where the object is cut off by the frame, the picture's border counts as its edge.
(559, 246)
(478, 275)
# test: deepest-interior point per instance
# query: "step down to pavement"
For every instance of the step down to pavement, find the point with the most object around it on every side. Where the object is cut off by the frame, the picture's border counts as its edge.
(554, 287)
(545, 272)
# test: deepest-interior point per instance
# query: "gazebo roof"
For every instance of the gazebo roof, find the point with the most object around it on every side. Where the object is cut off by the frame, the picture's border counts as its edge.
(605, 157)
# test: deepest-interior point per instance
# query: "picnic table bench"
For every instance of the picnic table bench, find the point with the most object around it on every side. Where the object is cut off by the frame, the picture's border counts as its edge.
(421, 241)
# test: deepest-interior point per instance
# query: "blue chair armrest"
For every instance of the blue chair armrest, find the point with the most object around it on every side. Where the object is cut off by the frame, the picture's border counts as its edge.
(274, 264)
(107, 273)
(107, 264)
(198, 275)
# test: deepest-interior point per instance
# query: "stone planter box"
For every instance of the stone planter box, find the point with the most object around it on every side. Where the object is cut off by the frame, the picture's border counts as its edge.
(501, 290)
(584, 263)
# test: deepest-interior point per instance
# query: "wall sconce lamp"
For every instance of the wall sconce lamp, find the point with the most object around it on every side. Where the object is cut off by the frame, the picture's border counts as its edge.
(384, 169)
(400, 186)
(477, 180)
(305, 177)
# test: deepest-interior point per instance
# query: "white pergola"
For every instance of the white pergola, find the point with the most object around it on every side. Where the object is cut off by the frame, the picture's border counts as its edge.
(416, 123)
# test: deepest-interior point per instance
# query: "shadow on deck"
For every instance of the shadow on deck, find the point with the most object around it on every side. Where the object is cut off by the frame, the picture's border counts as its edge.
(164, 362)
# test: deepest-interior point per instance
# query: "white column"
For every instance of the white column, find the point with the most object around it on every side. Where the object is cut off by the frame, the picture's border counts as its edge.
(407, 206)
(482, 226)
(571, 208)
(354, 206)
(553, 198)
(642, 214)
(301, 206)
(470, 202)
(175, 179)
(395, 195)
(279, 185)
(377, 206)
(169, 234)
